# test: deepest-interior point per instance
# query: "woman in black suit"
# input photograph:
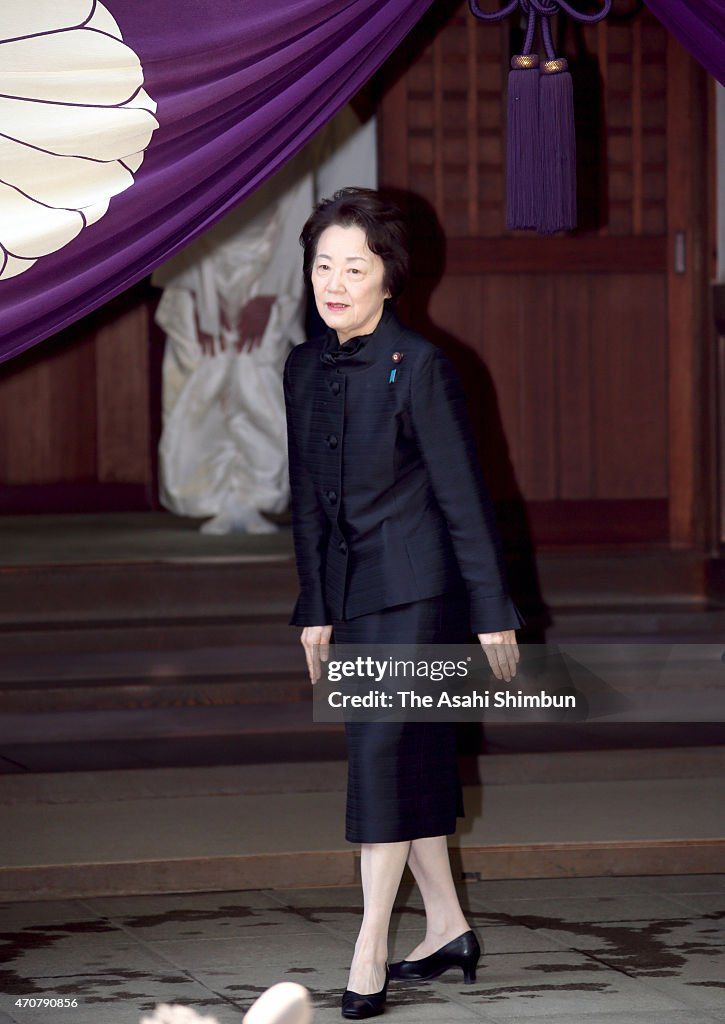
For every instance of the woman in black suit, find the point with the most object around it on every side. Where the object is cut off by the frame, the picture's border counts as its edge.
(395, 542)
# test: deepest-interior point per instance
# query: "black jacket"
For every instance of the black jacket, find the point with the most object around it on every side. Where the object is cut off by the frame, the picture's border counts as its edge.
(388, 500)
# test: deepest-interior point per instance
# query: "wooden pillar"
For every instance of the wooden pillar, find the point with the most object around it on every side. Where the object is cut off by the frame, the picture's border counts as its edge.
(686, 285)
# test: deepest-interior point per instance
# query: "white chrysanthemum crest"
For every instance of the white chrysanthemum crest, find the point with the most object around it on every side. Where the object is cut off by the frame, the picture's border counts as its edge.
(75, 124)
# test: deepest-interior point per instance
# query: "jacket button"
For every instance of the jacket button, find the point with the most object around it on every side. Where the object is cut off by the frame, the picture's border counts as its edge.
(331, 497)
(335, 387)
(342, 547)
(331, 440)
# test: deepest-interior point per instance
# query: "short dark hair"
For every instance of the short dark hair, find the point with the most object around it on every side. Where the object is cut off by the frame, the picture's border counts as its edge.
(380, 219)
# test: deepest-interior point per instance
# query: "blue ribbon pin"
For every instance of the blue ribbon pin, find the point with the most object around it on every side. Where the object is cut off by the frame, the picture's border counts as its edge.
(391, 378)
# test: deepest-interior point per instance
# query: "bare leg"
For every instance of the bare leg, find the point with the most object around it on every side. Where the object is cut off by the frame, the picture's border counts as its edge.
(381, 868)
(431, 866)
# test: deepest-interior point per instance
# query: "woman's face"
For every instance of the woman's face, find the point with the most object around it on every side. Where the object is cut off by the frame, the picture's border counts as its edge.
(347, 279)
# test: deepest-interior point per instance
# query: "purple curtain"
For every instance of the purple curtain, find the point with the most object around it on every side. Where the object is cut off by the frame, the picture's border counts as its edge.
(700, 26)
(128, 129)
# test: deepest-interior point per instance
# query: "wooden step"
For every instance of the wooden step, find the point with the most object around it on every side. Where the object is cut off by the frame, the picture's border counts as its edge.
(208, 589)
(278, 733)
(155, 635)
(231, 675)
(131, 665)
(89, 834)
(622, 578)
(696, 623)
(146, 591)
(207, 632)
(691, 623)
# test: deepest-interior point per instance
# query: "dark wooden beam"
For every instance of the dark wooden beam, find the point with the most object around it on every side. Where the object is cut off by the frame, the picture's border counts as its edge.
(534, 255)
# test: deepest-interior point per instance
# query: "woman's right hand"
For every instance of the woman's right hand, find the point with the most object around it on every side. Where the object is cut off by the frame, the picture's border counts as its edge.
(316, 642)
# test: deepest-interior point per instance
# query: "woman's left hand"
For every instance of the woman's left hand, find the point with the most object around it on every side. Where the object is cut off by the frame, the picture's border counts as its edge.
(502, 652)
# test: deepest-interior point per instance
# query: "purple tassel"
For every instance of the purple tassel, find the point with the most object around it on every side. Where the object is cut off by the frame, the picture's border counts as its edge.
(557, 141)
(523, 160)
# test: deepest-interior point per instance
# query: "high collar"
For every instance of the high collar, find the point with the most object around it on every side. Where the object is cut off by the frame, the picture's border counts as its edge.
(363, 349)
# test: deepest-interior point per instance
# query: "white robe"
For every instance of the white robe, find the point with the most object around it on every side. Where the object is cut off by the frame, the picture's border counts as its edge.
(223, 450)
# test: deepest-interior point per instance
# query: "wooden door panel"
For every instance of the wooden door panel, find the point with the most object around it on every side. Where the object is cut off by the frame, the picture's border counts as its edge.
(575, 428)
(538, 401)
(45, 409)
(573, 337)
(75, 425)
(629, 387)
(123, 388)
(578, 367)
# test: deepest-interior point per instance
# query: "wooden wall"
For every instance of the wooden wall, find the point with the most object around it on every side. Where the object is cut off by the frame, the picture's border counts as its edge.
(588, 345)
(79, 414)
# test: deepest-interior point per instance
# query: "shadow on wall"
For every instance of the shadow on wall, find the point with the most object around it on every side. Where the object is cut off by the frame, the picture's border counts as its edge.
(428, 247)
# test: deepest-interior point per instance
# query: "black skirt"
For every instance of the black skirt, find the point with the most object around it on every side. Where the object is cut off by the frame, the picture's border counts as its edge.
(402, 780)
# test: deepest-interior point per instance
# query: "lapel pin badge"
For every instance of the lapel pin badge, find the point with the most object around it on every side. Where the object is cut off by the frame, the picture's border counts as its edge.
(397, 356)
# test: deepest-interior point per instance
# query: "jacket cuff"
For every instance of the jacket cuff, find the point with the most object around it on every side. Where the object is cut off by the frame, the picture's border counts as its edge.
(491, 613)
(310, 610)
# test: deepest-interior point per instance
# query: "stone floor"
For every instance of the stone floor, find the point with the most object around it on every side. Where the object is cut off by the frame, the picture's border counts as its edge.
(612, 950)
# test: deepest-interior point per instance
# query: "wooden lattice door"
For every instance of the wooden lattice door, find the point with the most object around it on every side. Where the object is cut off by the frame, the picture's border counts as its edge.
(585, 346)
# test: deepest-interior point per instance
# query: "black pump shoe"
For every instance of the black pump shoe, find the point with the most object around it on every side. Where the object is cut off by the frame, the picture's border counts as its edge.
(358, 1007)
(461, 952)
